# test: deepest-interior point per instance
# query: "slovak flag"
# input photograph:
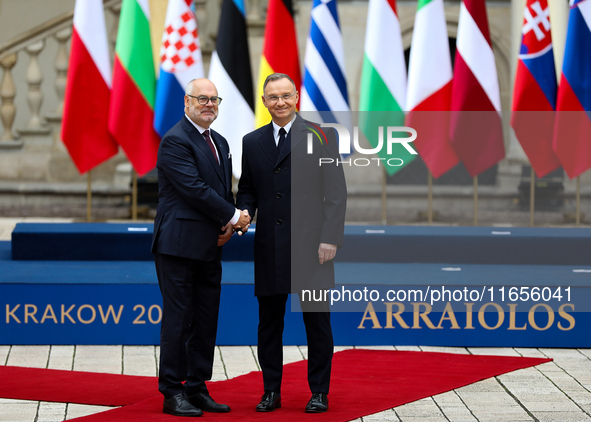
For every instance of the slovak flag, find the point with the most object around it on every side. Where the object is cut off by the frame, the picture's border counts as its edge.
(534, 95)
(180, 62)
(572, 130)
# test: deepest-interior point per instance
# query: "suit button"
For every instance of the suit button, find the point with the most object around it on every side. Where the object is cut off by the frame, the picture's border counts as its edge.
(279, 222)
(277, 170)
(279, 195)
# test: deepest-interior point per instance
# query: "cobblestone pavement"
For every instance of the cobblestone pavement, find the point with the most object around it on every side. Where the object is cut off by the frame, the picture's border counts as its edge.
(555, 391)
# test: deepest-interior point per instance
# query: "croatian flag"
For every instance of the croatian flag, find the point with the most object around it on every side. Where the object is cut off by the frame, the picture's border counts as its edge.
(180, 62)
(534, 95)
(572, 130)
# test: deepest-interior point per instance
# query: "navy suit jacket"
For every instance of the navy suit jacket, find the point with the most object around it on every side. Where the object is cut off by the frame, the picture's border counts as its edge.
(298, 205)
(194, 193)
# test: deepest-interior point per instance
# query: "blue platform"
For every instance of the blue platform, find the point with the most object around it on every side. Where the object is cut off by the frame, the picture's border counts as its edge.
(96, 284)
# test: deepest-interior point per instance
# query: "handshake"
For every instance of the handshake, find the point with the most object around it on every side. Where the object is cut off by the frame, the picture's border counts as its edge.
(243, 223)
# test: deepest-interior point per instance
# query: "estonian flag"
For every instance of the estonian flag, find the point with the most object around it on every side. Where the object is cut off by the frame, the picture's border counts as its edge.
(231, 74)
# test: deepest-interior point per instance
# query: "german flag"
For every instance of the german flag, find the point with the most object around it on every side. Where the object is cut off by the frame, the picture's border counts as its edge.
(280, 52)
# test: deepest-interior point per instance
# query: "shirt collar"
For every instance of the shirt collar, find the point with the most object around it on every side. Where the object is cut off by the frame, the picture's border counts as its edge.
(199, 128)
(287, 127)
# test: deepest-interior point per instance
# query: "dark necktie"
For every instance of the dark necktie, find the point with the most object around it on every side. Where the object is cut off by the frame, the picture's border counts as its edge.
(282, 134)
(211, 147)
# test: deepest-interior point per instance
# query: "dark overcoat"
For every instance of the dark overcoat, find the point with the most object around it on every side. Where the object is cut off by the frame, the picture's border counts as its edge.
(298, 204)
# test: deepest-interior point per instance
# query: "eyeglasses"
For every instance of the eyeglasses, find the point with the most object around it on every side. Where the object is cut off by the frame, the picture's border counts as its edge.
(284, 97)
(202, 99)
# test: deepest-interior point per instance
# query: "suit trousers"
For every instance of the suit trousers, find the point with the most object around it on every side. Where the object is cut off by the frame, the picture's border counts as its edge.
(190, 297)
(270, 343)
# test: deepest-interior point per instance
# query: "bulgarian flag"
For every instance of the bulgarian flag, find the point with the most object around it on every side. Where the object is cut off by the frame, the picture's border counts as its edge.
(429, 88)
(280, 52)
(134, 88)
(383, 82)
(88, 89)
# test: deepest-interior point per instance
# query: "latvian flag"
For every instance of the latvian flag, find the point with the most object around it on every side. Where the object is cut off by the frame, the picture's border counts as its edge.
(534, 96)
(476, 132)
(572, 131)
(180, 62)
(86, 104)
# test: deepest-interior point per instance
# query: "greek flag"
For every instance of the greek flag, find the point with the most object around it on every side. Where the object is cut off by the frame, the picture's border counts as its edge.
(324, 91)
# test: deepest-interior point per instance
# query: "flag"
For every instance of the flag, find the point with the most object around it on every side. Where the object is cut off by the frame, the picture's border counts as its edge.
(230, 72)
(383, 81)
(429, 87)
(475, 127)
(280, 52)
(534, 95)
(180, 62)
(324, 88)
(88, 89)
(572, 131)
(131, 118)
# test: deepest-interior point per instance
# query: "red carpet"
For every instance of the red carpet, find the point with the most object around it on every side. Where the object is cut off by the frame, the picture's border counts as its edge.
(363, 382)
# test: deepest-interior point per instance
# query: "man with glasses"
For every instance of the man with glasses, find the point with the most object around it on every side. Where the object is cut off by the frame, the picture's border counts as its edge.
(300, 210)
(195, 217)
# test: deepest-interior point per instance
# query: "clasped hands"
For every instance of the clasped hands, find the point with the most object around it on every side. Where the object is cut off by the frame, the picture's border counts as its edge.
(241, 227)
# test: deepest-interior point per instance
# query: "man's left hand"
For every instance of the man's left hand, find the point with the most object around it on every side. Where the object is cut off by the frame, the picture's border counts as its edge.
(226, 235)
(326, 252)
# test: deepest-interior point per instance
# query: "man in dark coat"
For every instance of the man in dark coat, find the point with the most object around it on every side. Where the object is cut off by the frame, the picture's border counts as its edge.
(194, 219)
(300, 207)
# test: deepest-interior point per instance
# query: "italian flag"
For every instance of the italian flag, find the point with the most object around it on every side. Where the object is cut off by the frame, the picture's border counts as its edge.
(88, 89)
(280, 52)
(383, 82)
(134, 88)
(429, 88)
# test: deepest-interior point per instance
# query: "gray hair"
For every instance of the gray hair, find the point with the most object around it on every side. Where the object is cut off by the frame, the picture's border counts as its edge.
(189, 87)
(277, 76)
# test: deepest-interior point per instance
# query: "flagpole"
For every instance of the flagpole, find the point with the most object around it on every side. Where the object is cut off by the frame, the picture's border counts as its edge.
(430, 198)
(134, 196)
(384, 199)
(475, 178)
(532, 196)
(578, 214)
(89, 196)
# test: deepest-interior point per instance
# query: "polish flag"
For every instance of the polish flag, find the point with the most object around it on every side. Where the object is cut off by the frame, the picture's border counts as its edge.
(476, 132)
(88, 90)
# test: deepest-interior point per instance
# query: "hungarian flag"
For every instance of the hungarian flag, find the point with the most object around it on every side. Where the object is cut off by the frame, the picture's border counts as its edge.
(476, 132)
(131, 118)
(180, 62)
(572, 131)
(383, 83)
(534, 95)
(230, 72)
(88, 90)
(429, 88)
(280, 52)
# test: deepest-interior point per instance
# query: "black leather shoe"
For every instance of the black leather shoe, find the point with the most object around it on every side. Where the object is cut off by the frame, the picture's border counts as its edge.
(204, 402)
(180, 405)
(318, 403)
(269, 402)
